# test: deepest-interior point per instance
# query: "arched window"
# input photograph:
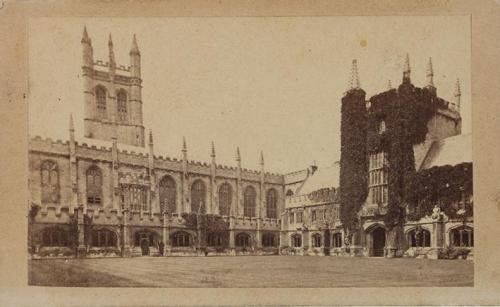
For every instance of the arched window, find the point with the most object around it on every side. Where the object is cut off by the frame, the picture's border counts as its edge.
(100, 97)
(198, 196)
(215, 239)
(55, 237)
(181, 239)
(103, 238)
(296, 240)
(249, 202)
(94, 186)
(462, 236)
(419, 237)
(121, 105)
(242, 240)
(269, 240)
(271, 202)
(50, 182)
(316, 240)
(289, 193)
(337, 239)
(225, 198)
(168, 194)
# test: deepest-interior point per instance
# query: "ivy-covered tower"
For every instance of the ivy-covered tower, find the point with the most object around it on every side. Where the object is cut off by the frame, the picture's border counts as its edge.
(353, 163)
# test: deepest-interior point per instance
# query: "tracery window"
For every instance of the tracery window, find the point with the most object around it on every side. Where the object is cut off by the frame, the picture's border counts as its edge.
(249, 202)
(271, 201)
(419, 237)
(198, 196)
(337, 239)
(215, 239)
(168, 194)
(316, 240)
(100, 96)
(134, 197)
(121, 103)
(296, 240)
(378, 177)
(268, 240)
(225, 198)
(242, 240)
(181, 239)
(50, 182)
(94, 186)
(103, 238)
(462, 237)
(55, 237)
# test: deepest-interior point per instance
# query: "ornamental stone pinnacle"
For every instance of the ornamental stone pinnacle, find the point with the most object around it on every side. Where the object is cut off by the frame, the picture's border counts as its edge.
(430, 73)
(135, 48)
(354, 81)
(457, 94)
(407, 69)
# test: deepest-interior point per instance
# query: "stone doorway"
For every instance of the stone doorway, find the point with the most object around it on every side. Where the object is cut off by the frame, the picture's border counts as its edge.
(145, 247)
(378, 242)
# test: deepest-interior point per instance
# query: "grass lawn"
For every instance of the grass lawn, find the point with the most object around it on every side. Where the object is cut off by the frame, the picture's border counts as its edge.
(251, 272)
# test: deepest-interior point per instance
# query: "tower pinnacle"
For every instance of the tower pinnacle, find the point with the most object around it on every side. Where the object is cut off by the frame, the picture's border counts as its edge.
(407, 69)
(457, 94)
(261, 158)
(71, 124)
(150, 137)
(238, 156)
(213, 150)
(135, 48)
(354, 81)
(430, 74)
(184, 147)
(85, 37)
(112, 62)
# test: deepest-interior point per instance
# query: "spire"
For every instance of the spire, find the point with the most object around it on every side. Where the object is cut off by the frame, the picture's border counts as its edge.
(354, 81)
(150, 137)
(457, 94)
(389, 85)
(71, 124)
(135, 48)
(85, 37)
(112, 63)
(261, 158)
(430, 73)
(213, 150)
(407, 69)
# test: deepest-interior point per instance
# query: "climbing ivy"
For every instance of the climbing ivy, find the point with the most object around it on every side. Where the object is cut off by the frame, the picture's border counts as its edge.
(444, 185)
(353, 158)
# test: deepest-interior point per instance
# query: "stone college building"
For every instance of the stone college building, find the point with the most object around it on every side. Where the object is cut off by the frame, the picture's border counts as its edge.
(111, 195)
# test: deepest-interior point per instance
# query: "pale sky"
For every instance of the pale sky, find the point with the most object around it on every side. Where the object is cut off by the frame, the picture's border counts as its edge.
(270, 84)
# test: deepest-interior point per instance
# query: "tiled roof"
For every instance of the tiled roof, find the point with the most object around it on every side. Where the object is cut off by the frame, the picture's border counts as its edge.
(449, 151)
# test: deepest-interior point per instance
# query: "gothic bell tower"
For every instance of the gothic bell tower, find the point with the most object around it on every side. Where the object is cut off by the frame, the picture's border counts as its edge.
(112, 95)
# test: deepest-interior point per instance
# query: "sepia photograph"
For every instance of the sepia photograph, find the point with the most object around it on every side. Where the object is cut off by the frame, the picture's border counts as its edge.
(250, 152)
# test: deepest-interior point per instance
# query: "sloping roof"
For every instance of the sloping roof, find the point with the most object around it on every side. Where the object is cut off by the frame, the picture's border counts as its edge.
(323, 177)
(297, 176)
(449, 151)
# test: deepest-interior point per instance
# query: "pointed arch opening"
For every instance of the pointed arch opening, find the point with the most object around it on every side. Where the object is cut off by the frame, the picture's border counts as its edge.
(271, 203)
(198, 196)
(225, 199)
(168, 194)
(94, 186)
(121, 105)
(100, 97)
(249, 203)
(50, 181)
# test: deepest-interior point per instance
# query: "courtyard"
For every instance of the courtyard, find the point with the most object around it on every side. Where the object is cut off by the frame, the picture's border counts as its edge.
(250, 272)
